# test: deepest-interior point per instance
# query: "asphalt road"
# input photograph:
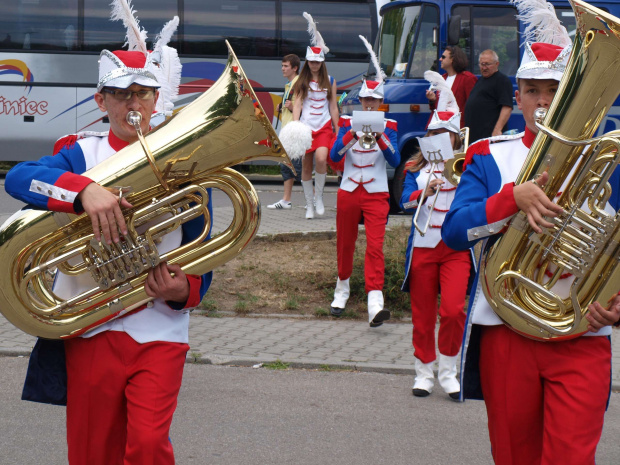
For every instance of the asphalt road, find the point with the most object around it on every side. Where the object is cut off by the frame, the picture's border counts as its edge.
(236, 416)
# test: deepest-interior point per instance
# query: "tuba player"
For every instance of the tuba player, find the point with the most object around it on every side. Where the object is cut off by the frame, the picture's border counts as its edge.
(545, 400)
(123, 377)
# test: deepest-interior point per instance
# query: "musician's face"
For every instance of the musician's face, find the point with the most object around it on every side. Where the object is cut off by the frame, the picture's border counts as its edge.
(533, 94)
(371, 103)
(117, 111)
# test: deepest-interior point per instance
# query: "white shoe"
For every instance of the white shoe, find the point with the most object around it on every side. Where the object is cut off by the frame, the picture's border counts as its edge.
(280, 205)
(341, 296)
(376, 313)
(309, 194)
(447, 376)
(424, 379)
(319, 185)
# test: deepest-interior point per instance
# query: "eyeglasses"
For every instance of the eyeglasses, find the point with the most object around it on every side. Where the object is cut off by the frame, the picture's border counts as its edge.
(486, 65)
(123, 94)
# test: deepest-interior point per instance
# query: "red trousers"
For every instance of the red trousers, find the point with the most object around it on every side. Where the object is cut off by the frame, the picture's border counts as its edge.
(431, 268)
(545, 400)
(375, 208)
(121, 398)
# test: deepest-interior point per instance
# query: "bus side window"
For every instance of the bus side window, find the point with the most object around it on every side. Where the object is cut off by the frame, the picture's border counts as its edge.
(249, 26)
(28, 25)
(340, 24)
(494, 28)
(426, 48)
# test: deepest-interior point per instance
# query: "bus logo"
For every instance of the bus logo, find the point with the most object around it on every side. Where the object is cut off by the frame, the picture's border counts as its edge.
(17, 67)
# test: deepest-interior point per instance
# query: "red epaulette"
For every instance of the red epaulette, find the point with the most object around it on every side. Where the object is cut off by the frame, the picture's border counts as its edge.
(344, 122)
(482, 147)
(390, 123)
(67, 141)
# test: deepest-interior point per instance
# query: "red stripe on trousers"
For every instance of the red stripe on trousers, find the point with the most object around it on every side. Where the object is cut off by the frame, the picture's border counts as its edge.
(375, 207)
(545, 400)
(430, 269)
(121, 398)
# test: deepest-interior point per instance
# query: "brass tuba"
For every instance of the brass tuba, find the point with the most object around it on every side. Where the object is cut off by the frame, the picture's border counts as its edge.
(584, 242)
(169, 171)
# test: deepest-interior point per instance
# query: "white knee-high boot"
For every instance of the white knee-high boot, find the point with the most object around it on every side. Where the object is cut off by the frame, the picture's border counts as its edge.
(447, 376)
(424, 379)
(376, 313)
(341, 296)
(319, 185)
(309, 194)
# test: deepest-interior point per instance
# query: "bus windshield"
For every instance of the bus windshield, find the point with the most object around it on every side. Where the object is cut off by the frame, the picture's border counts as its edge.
(396, 39)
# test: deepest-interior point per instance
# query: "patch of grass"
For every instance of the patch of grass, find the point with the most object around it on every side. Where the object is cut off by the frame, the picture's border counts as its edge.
(277, 365)
(397, 314)
(208, 304)
(292, 303)
(331, 368)
(321, 312)
(350, 314)
(242, 307)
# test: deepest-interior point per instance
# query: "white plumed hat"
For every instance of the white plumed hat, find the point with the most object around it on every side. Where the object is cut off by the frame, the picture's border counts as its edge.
(547, 43)
(318, 49)
(373, 88)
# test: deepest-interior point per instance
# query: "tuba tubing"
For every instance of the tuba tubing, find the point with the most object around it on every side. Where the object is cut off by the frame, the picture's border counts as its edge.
(584, 242)
(191, 152)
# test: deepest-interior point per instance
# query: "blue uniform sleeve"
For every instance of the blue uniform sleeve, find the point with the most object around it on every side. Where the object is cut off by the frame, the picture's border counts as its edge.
(468, 210)
(409, 187)
(390, 151)
(51, 183)
(339, 144)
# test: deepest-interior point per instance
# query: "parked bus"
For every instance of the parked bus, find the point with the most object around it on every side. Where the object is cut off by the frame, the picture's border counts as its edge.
(413, 35)
(49, 51)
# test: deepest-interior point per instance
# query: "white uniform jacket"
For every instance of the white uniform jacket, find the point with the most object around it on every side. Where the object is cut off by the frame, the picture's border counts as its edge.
(365, 167)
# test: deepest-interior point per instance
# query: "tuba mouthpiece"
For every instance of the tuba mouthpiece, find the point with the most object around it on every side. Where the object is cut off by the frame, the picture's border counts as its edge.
(134, 118)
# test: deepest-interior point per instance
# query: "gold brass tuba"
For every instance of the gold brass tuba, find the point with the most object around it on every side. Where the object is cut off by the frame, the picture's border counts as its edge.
(585, 241)
(169, 171)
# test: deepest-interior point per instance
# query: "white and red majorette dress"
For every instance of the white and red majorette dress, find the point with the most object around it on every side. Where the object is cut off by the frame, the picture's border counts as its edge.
(363, 194)
(315, 114)
(496, 359)
(430, 265)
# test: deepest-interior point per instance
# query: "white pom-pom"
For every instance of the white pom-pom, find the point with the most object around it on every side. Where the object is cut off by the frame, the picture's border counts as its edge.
(296, 139)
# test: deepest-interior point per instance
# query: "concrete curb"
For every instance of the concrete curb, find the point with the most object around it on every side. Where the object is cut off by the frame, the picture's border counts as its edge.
(219, 360)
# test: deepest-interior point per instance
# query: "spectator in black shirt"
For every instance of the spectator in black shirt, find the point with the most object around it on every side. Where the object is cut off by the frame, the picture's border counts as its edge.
(490, 101)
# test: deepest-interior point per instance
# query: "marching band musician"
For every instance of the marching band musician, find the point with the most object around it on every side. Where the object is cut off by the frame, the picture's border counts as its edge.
(545, 400)
(430, 264)
(124, 376)
(363, 194)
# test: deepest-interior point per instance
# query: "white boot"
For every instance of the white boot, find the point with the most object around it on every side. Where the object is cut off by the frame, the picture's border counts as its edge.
(319, 184)
(376, 313)
(447, 376)
(309, 194)
(424, 379)
(341, 295)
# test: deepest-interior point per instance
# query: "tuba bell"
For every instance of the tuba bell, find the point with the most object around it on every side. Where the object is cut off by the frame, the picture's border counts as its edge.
(521, 272)
(170, 171)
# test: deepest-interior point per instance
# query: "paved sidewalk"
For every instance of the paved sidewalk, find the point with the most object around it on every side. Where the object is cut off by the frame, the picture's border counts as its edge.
(303, 342)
